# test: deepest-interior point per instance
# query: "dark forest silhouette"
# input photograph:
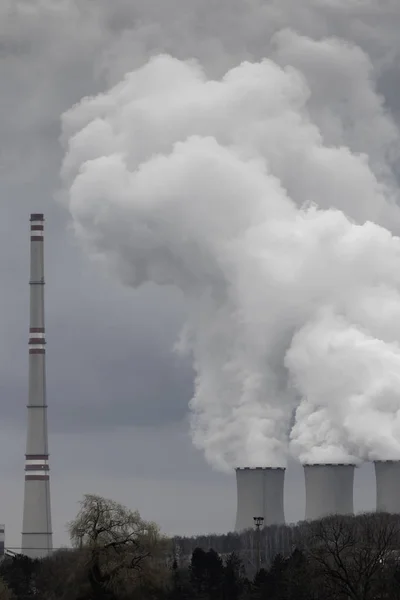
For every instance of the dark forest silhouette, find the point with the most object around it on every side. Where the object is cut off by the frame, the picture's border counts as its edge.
(118, 556)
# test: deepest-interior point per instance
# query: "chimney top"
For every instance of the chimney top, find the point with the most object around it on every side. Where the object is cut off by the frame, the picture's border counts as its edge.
(260, 469)
(329, 465)
(37, 217)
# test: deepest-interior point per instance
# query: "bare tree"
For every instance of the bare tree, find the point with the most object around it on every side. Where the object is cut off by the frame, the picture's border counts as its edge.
(118, 546)
(354, 558)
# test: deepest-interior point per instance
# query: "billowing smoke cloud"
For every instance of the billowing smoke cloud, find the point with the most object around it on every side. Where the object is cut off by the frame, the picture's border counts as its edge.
(350, 383)
(256, 201)
(347, 74)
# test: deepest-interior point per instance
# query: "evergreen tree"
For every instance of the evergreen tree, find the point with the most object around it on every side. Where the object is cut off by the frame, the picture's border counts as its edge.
(198, 570)
(19, 573)
(298, 577)
(214, 574)
(233, 578)
(259, 586)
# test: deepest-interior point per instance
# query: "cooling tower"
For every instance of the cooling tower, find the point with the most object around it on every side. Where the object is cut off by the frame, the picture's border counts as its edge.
(387, 475)
(259, 494)
(329, 490)
(36, 527)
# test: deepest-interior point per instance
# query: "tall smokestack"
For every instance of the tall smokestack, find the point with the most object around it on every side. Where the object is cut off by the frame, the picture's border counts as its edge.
(36, 529)
(2, 541)
(329, 490)
(259, 494)
(387, 475)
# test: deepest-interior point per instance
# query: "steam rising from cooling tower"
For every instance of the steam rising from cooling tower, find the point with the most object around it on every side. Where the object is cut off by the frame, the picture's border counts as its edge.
(260, 203)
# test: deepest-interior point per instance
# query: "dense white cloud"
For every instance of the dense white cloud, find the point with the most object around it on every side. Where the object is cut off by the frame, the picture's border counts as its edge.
(343, 96)
(204, 184)
(351, 384)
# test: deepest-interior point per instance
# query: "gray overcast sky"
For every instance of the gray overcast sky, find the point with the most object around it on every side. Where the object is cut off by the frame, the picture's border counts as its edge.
(117, 393)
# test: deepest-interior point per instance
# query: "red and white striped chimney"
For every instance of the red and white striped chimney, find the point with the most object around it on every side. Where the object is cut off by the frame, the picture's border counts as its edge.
(36, 527)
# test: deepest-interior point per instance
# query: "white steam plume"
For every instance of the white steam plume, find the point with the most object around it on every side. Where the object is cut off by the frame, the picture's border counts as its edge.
(343, 97)
(351, 384)
(233, 191)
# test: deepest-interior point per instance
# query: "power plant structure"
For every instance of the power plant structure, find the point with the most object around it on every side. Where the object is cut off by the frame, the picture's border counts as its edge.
(36, 528)
(259, 494)
(2, 541)
(329, 490)
(260, 490)
(387, 473)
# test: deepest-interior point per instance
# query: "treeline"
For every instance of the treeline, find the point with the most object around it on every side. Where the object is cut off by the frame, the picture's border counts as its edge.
(273, 540)
(118, 556)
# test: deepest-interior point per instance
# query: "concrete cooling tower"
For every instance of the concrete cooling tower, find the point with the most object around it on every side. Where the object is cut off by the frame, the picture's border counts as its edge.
(387, 475)
(329, 490)
(259, 494)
